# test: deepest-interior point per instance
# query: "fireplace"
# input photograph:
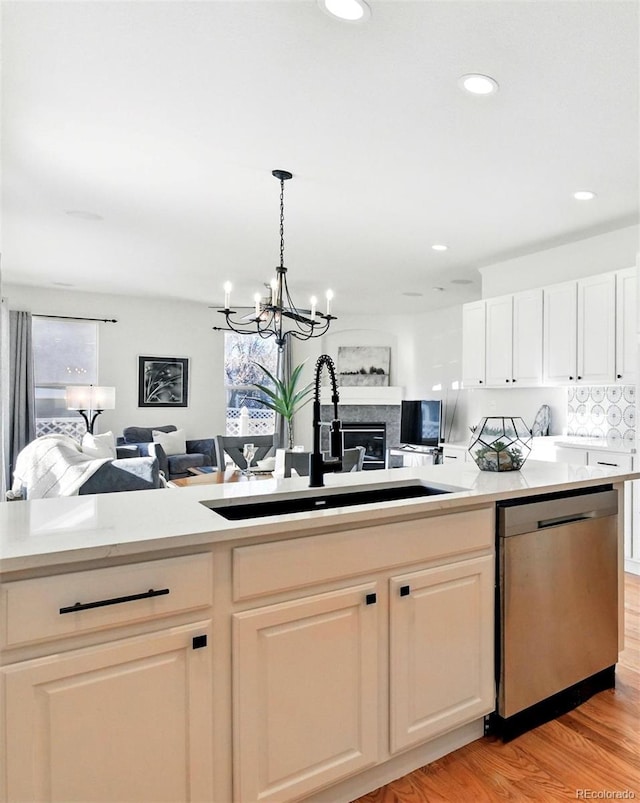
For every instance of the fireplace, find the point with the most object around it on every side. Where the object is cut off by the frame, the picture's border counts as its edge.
(371, 435)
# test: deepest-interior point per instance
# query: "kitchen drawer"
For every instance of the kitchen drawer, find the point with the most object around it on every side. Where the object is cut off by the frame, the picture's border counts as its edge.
(451, 453)
(46, 608)
(567, 454)
(607, 459)
(284, 565)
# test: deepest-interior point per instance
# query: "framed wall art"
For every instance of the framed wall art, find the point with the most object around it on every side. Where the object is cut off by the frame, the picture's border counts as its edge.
(163, 381)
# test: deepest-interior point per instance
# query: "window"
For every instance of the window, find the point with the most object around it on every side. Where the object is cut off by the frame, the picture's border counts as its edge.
(240, 372)
(64, 353)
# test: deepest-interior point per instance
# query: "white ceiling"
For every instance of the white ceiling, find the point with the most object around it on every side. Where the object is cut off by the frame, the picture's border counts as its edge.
(166, 119)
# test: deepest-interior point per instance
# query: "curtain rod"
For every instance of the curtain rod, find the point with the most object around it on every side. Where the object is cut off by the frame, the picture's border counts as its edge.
(74, 318)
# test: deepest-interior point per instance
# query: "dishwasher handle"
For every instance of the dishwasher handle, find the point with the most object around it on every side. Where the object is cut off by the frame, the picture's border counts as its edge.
(561, 520)
(534, 515)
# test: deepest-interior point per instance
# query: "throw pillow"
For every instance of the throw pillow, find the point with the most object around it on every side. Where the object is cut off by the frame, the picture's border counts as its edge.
(171, 442)
(99, 445)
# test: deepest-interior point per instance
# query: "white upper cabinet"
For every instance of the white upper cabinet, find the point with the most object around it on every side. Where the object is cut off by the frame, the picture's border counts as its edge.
(560, 333)
(514, 339)
(579, 331)
(499, 357)
(596, 335)
(473, 344)
(626, 320)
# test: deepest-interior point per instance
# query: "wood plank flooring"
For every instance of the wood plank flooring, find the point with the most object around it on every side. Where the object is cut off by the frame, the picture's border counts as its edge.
(590, 753)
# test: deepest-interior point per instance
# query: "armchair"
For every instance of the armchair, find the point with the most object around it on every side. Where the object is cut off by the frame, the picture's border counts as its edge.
(200, 452)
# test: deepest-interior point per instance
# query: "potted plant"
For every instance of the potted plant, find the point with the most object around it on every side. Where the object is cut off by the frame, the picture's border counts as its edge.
(284, 397)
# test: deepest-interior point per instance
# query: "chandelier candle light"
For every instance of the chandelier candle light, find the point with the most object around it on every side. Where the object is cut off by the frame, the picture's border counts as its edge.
(275, 315)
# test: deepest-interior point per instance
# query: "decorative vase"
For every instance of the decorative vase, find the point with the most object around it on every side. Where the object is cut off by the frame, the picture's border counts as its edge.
(500, 443)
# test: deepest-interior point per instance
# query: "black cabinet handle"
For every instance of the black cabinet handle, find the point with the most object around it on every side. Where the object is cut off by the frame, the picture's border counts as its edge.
(618, 376)
(513, 380)
(480, 381)
(570, 377)
(506, 380)
(579, 377)
(405, 591)
(602, 463)
(83, 606)
(198, 642)
(370, 599)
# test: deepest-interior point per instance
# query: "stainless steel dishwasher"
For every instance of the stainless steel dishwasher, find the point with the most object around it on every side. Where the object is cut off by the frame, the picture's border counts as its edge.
(557, 640)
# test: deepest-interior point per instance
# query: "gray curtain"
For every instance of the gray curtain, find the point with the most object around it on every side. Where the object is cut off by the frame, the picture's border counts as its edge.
(22, 409)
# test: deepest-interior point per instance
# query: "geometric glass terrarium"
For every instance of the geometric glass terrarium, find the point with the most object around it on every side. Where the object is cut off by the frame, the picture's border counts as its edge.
(500, 443)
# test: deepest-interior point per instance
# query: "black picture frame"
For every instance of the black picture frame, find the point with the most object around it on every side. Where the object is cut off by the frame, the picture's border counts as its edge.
(163, 381)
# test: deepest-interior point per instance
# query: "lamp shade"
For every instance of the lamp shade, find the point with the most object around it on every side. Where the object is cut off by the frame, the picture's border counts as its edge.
(90, 397)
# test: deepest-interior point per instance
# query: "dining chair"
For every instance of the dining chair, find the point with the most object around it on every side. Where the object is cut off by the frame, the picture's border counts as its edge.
(233, 445)
(352, 460)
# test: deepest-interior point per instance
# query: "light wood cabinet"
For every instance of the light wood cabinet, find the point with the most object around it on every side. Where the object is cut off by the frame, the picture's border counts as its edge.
(473, 344)
(127, 721)
(441, 626)
(305, 689)
(327, 684)
(106, 683)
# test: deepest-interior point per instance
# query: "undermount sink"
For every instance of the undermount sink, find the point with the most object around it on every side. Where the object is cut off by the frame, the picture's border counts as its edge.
(310, 502)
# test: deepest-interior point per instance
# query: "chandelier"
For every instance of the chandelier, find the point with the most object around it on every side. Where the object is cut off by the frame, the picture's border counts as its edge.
(275, 314)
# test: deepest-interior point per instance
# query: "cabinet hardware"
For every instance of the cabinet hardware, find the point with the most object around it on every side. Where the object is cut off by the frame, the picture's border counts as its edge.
(513, 380)
(603, 463)
(618, 376)
(199, 642)
(370, 599)
(506, 380)
(579, 377)
(571, 377)
(405, 591)
(480, 381)
(83, 606)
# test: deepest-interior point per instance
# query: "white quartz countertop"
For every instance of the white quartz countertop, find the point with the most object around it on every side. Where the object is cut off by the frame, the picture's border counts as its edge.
(47, 532)
(616, 444)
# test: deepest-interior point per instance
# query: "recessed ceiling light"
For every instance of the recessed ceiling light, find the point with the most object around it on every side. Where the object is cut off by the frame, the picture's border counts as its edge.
(346, 10)
(461, 281)
(413, 295)
(478, 84)
(62, 284)
(584, 195)
(440, 247)
(81, 215)
(438, 289)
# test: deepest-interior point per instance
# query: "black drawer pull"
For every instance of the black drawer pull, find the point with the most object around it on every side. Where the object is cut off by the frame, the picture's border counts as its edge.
(199, 642)
(405, 591)
(602, 463)
(370, 599)
(83, 606)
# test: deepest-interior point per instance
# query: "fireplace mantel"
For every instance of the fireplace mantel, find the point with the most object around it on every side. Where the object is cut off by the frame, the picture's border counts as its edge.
(362, 394)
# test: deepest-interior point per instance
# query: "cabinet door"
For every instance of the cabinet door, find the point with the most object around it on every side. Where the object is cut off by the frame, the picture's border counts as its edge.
(305, 693)
(596, 329)
(441, 631)
(473, 344)
(560, 333)
(527, 338)
(127, 721)
(499, 340)
(567, 454)
(626, 317)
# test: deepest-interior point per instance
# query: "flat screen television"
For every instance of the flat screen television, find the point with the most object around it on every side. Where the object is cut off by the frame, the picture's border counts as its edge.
(421, 423)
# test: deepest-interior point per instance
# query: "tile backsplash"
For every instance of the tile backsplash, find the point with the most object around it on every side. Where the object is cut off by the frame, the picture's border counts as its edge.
(602, 412)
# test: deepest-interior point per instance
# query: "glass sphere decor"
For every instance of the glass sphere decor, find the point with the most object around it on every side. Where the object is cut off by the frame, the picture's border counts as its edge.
(500, 443)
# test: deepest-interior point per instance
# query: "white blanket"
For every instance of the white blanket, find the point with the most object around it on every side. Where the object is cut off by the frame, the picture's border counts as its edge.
(53, 465)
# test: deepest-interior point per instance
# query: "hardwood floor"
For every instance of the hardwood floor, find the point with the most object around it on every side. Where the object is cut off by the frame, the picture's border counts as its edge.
(590, 753)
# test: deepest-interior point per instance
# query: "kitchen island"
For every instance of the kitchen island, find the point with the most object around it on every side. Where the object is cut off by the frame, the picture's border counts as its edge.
(154, 650)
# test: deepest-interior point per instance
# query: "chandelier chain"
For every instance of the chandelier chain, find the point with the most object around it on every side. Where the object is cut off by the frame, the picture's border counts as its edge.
(281, 222)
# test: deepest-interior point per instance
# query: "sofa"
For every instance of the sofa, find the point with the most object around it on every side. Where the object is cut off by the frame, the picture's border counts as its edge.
(198, 453)
(128, 474)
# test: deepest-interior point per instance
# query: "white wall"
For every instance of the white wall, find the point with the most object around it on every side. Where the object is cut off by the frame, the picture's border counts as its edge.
(145, 327)
(605, 252)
